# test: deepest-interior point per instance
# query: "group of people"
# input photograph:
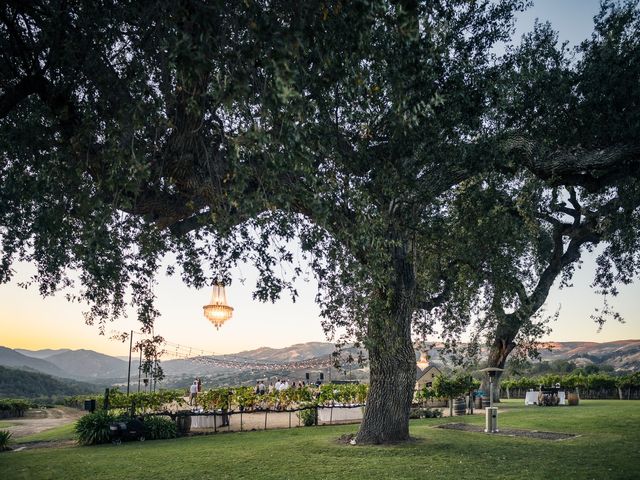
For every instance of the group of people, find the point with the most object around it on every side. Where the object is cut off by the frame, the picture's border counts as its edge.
(280, 385)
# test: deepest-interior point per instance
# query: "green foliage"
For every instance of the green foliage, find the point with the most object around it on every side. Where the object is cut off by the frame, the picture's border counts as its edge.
(628, 381)
(424, 394)
(14, 407)
(234, 398)
(5, 437)
(159, 428)
(215, 399)
(25, 383)
(425, 413)
(245, 397)
(455, 386)
(93, 428)
(346, 393)
(595, 381)
(307, 416)
(432, 413)
(145, 401)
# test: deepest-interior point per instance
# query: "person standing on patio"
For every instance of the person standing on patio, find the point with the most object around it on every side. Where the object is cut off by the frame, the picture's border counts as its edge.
(193, 392)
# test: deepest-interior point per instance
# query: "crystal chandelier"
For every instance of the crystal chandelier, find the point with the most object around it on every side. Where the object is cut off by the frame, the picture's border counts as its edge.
(217, 311)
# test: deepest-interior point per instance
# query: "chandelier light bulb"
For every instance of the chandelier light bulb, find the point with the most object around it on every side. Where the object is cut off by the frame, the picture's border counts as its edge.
(217, 311)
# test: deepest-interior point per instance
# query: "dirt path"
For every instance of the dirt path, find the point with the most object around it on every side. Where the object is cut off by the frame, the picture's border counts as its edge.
(36, 421)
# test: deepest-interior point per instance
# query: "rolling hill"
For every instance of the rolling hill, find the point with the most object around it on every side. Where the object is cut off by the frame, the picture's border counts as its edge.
(89, 364)
(621, 354)
(30, 384)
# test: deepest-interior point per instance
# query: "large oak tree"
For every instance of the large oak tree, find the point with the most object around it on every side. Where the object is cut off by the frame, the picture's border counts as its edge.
(131, 130)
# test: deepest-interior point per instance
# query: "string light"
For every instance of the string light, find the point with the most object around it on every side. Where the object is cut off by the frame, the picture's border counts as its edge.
(209, 358)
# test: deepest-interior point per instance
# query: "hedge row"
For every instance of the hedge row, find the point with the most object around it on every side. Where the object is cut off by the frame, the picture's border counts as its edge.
(14, 407)
(595, 381)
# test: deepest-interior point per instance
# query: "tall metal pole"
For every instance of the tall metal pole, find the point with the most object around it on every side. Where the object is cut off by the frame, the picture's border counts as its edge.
(490, 390)
(129, 370)
(139, 370)
(155, 373)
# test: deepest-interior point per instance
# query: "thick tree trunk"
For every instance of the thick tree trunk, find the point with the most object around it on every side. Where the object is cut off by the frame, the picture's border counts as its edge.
(392, 359)
(498, 354)
(393, 377)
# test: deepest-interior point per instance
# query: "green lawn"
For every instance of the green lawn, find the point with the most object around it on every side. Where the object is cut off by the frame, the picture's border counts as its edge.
(608, 448)
(5, 424)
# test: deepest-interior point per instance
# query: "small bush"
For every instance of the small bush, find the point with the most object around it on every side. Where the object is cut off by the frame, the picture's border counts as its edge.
(93, 428)
(308, 417)
(159, 428)
(5, 436)
(425, 413)
(432, 413)
(415, 413)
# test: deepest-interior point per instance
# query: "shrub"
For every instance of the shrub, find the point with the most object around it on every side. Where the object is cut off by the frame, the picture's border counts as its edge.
(14, 407)
(425, 413)
(93, 428)
(159, 428)
(308, 417)
(5, 436)
(432, 413)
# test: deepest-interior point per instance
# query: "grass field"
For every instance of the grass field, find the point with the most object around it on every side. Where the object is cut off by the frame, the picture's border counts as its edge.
(608, 447)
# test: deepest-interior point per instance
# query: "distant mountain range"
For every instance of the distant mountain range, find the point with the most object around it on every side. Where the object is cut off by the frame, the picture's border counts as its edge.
(47, 352)
(621, 354)
(14, 359)
(90, 366)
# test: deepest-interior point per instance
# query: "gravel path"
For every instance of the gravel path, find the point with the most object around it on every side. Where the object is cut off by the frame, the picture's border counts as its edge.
(36, 421)
(510, 432)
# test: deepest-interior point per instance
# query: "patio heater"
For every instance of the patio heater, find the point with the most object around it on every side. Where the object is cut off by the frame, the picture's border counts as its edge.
(491, 412)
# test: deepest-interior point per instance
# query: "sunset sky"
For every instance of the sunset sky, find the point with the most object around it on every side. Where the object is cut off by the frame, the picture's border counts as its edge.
(29, 321)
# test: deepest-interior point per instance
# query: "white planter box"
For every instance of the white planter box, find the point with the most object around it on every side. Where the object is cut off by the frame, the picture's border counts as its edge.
(205, 421)
(339, 414)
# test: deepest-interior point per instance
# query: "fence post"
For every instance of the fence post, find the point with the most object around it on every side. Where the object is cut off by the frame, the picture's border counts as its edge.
(266, 412)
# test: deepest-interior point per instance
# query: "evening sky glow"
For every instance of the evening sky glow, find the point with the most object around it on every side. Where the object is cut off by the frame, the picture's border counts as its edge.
(29, 321)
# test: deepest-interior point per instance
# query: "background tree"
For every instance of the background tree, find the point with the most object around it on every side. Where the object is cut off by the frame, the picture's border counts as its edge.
(570, 106)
